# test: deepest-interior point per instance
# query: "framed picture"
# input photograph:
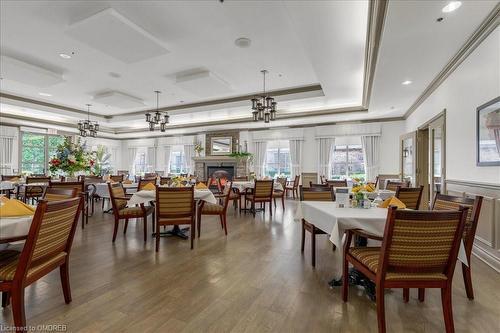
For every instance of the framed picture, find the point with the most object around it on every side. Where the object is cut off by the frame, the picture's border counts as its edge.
(221, 145)
(488, 133)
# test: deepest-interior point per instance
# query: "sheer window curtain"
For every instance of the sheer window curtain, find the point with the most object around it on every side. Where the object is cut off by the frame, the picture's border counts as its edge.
(371, 153)
(151, 159)
(260, 150)
(295, 156)
(167, 150)
(132, 152)
(6, 147)
(325, 152)
(188, 158)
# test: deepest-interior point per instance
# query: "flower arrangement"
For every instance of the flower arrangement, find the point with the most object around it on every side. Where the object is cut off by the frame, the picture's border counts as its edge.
(198, 148)
(241, 155)
(102, 164)
(71, 158)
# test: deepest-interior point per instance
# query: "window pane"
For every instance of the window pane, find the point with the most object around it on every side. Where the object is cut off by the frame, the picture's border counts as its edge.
(356, 162)
(33, 153)
(30, 139)
(339, 169)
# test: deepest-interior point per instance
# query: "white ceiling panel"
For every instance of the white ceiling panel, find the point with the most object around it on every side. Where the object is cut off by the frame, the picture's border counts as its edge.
(118, 99)
(26, 73)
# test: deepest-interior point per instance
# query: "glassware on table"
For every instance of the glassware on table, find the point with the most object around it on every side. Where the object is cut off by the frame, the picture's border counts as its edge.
(377, 201)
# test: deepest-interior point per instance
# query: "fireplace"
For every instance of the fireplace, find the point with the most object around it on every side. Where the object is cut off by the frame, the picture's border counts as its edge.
(229, 166)
(223, 172)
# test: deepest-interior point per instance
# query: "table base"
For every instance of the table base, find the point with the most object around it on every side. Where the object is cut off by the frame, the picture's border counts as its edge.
(176, 231)
(356, 278)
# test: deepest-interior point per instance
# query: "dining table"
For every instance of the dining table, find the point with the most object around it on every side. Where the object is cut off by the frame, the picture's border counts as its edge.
(330, 218)
(14, 228)
(102, 190)
(243, 185)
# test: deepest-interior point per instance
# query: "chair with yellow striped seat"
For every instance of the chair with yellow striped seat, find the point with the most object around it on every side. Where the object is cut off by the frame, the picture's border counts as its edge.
(145, 181)
(280, 193)
(175, 206)
(410, 196)
(393, 185)
(80, 187)
(207, 208)
(58, 194)
(117, 178)
(47, 247)
(261, 193)
(337, 183)
(324, 193)
(419, 250)
(121, 211)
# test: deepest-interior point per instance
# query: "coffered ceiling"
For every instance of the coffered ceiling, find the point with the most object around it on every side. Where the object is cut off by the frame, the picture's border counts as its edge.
(318, 54)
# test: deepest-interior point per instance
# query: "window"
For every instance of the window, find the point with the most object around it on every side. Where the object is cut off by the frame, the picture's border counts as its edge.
(348, 162)
(278, 160)
(177, 161)
(37, 149)
(140, 161)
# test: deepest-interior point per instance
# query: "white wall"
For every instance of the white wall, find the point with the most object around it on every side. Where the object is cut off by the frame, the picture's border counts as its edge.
(11, 132)
(475, 82)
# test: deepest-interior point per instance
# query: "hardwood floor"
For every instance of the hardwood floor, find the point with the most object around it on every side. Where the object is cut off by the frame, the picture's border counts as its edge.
(253, 280)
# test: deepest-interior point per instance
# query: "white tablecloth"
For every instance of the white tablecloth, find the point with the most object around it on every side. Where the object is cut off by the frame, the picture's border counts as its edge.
(15, 226)
(147, 196)
(242, 185)
(384, 194)
(6, 185)
(101, 189)
(333, 220)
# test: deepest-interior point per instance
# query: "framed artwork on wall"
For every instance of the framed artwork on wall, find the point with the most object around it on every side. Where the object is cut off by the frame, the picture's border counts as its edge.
(488, 133)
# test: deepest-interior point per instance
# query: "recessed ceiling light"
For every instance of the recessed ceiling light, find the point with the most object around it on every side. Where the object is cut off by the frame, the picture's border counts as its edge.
(407, 82)
(114, 75)
(44, 94)
(64, 56)
(451, 6)
(243, 42)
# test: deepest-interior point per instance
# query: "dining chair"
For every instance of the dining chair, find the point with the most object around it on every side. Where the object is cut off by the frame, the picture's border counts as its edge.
(207, 208)
(150, 175)
(165, 181)
(33, 192)
(122, 212)
(116, 178)
(325, 185)
(419, 250)
(11, 177)
(280, 193)
(57, 194)
(313, 194)
(337, 183)
(410, 196)
(8, 192)
(175, 206)
(322, 179)
(90, 179)
(261, 193)
(293, 186)
(145, 181)
(450, 202)
(393, 185)
(80, 187)
(47, 247)
(240, 179)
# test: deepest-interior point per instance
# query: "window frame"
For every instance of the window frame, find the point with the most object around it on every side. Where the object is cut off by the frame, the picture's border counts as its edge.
(181, 165)
(348, 161)
(282, 145)
(46, 150)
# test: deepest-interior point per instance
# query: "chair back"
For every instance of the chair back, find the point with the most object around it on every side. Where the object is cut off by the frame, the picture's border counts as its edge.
(296, 181)
(50, 235)
(150, 175)
(165, 181)
(58, 194)
(320, 193)
(10, 177)
(116, 195)
(116, 178)
(144, 181)
(421, 241)
(240, 179)
(281, 181)
(31, 179)
(383, 177)
(79, 186)
(263, 189)
(228, 188)
(36, 191)
(322, 179)
(393, 185)
(449, 202)
(175, 202)
(410, 196)
(337, 183)
(90, 179)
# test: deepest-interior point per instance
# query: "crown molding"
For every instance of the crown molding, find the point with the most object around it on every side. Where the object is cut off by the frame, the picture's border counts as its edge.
(376, 20)
(489, 24)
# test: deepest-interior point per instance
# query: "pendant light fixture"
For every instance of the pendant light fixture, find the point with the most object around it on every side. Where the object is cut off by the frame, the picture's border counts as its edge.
(157, 118)
(88, 127)
(264, 107)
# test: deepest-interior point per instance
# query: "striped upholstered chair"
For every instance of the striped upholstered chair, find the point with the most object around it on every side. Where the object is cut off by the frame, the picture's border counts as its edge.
(393, 185)
(313, 194)
(280, 193)
(47, 247)
(117, 178)
(122, 212)
(57, 194)
(207, 208)
(175, 206)
(427, 261)
(410, 196)
(337, 183)
(80, 187)
(261, 193)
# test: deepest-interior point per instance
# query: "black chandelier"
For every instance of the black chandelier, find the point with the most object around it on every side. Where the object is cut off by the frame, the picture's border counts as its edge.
(156, 119)
(88, 127)
(264, 107)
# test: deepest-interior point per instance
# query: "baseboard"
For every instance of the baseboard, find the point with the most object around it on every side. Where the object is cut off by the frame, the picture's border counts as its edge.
(488, 255)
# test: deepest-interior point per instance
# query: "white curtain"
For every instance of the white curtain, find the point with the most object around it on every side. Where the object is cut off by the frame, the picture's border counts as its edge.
(131, 159)
(188, 158)
(151, 159)
(6, 147)
(166, 150)
(371, 152)
(325, 149)
(260, 157)
(295, 156)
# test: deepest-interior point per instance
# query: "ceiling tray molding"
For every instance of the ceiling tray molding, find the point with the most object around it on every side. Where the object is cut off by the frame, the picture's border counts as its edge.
(118, 99)
(30, 74)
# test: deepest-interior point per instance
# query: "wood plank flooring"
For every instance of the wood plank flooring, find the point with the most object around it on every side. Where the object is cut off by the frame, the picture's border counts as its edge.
(253, 280)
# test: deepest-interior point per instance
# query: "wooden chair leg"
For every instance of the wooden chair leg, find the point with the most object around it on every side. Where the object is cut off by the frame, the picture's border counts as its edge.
(157, 236)
(313, 248)
(270, 207)
(145, 218)
(303, 238)
(274, 203)
(225, 224)
(333, 247)
(115, 231)
(64, 273)
(221, 222)
(125, 226)
(447, 309)
(192, 233)
(283, 202)
(17, 295)
(421, 294)
(380, 309)
(345, 279)
(466, 272)
(406, 295)
(83, 219)
(5, 299)
(199, 224)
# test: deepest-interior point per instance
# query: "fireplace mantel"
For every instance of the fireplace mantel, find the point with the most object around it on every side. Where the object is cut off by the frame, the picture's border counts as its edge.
(202, 162)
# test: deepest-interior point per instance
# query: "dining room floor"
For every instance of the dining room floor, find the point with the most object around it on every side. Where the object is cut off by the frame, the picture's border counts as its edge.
(253, 280)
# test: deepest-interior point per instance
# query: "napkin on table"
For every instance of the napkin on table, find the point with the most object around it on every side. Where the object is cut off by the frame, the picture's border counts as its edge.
(392, 201)
(149, 187)
(200, 186)
(127, 181)
(14, 207)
